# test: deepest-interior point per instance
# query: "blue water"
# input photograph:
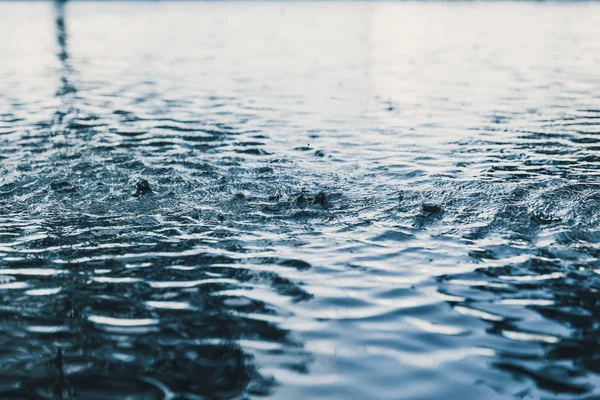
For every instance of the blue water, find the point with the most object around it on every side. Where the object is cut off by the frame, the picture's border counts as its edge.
(350, 200)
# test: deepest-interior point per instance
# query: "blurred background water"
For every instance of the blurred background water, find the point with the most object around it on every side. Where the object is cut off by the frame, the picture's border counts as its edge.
(357, 200)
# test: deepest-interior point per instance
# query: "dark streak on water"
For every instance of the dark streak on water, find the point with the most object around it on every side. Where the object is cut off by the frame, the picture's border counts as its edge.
(348, 200)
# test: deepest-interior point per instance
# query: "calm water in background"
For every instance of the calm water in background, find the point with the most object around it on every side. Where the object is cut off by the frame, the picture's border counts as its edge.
(230, 281)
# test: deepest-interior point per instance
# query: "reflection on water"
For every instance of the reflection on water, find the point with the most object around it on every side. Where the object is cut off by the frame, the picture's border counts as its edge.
(346, 200)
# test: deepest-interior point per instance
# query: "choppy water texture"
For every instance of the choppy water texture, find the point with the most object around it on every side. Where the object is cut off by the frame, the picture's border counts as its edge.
(350, 201)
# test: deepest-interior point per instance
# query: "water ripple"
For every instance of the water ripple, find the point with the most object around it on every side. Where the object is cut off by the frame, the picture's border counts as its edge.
(343, 200)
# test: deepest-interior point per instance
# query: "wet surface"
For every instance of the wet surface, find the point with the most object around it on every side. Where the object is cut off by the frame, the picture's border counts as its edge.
(299, 200)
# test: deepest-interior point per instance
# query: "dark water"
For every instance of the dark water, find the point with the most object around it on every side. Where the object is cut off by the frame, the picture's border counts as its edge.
(452, 254)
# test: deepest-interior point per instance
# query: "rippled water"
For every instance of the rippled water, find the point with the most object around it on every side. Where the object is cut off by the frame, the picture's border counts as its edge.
(350, 200)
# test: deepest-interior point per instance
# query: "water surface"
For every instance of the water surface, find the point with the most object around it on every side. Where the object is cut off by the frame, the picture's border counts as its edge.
(453, 252)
